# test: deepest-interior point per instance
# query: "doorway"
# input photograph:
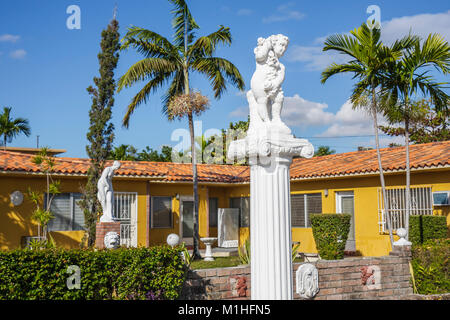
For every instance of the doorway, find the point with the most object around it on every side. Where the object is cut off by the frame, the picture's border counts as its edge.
(345, 203)
(187, 220)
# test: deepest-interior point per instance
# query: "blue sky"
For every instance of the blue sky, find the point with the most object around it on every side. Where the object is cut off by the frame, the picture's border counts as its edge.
(45, 68)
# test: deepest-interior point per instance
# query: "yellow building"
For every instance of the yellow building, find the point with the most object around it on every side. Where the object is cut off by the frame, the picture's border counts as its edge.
(153, 199)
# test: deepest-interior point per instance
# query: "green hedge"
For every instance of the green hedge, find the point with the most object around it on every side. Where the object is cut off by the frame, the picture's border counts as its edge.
(424, 228)
(135, 273)
(330, 233)
(431, 266)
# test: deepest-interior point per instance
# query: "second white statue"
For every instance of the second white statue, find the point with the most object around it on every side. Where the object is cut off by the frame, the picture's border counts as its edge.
(105, 192)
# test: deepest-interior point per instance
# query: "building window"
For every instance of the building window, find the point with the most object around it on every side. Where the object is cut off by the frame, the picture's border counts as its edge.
(243, 204)
(68, 216)
(421, 204)
(161, 216)
(302, 205)
(213, 204)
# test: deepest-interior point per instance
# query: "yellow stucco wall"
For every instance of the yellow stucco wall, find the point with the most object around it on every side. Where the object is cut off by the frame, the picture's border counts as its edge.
(15, 222)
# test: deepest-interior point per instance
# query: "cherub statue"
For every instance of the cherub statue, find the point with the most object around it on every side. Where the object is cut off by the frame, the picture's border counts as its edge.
(105, 192)
(266, 96)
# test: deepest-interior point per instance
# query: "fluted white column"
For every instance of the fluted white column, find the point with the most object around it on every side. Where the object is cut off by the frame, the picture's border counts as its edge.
(270, 229)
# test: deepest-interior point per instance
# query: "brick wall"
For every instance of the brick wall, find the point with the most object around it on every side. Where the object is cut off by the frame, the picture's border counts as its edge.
(102, 228)
(338, 279)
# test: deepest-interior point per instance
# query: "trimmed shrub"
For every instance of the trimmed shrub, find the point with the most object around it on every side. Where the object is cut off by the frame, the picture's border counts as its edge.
(430, 262)
(330, 233)
(424, 228)
(135, 273)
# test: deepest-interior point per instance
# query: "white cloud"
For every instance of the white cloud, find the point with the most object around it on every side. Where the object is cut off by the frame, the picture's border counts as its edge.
(18, 54)
(300, 112)
(297, 112)
(421, 24)
(284, 12)
(244, 12)
(9, 38)
(240, 112)
(314, 58)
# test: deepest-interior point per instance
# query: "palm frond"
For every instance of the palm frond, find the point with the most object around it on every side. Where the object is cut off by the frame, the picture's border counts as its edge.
(143, 95)
(217, 70)
(145, 69)
(183, 22)
(205, 46)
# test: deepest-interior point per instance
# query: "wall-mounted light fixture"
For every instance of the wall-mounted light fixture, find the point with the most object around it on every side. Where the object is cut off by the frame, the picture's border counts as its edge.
(325, 192)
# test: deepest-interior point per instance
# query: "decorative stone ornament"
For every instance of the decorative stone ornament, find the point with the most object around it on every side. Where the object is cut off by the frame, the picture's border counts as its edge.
(16, 198)
(208, 253)
(307, 278)
(173, 240)
(270, 147)
(112, 240)
(401, 232)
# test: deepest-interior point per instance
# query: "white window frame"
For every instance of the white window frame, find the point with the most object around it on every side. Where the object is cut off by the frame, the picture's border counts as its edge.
(421, 204)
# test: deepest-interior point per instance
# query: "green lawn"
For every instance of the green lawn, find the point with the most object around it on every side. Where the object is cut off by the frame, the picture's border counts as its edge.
(221, 262)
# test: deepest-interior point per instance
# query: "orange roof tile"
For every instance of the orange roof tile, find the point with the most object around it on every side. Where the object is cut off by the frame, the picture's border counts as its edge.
(428, 155)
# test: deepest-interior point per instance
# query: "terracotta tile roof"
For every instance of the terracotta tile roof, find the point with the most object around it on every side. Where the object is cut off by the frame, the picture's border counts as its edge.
(428, 155)
(166, 171)
(422, 156)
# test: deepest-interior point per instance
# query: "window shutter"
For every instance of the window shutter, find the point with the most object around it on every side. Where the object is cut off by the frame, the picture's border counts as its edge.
(161, 212)
(245, 212)
(313, 205)
(298, 210)
(213, 212)
(78, 222)
(61, 209)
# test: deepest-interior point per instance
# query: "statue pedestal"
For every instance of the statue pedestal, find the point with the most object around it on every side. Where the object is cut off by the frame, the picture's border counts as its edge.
(270, 230)
(102, 229)
(270, 157)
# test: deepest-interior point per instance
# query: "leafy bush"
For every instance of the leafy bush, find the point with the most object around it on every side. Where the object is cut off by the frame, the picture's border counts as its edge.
(424, 228)
(330, 233)
(430, 263)
(143, 273)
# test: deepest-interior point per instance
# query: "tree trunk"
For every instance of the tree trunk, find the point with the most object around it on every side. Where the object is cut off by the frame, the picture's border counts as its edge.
(380, 167)
(408, 178)
(196, 251)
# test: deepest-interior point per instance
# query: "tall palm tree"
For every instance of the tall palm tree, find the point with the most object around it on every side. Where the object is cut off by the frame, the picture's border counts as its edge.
(408, 77)
(368, 57)
(171, 63)
(10, 128)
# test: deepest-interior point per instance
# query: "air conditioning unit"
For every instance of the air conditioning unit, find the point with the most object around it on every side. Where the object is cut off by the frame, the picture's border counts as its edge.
(441, 198)
(26, 240)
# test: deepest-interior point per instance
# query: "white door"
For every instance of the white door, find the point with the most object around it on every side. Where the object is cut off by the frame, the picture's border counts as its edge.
(345, 203)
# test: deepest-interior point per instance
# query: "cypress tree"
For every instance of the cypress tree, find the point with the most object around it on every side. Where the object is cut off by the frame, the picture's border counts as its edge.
(101, 130)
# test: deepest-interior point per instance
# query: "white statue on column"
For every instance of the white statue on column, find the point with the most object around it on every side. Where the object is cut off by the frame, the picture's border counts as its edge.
(267, 133)
(270, 147)
(105, 192)
(266, 96)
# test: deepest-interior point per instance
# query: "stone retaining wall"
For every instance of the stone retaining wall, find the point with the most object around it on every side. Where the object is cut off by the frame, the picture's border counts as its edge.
(385, 277)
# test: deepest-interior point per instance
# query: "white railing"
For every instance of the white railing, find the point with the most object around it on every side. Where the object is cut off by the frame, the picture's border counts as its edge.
(125, 234)
(421, 203)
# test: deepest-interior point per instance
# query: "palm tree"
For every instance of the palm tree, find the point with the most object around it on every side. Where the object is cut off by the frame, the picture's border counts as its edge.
(368, 58)
(408, 77)
(170, 63)
(10, 128)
